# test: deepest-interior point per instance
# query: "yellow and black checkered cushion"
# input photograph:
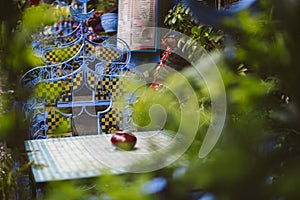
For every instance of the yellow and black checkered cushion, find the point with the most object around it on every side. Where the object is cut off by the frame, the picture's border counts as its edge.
(57, 123)
(60, 90)
(102, 90)
(91, 79)
(64, 69)
(77, 80)
(102, 95)
(104, 82)
(57, 71)
(66, 95)
(59, 55)
(67, 39)
(49, 91)
(111, 84)
(89, 49)
(70, 85)
(116, 87)
(108, 54)
(110, 121)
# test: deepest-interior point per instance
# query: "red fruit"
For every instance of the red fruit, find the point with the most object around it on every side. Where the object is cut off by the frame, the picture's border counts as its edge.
(123, 140)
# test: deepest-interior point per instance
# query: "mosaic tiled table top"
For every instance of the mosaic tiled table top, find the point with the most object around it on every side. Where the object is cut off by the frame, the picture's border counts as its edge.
(86, 156)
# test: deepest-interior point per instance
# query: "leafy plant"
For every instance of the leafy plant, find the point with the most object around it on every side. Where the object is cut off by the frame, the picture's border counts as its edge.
(7, 175)
(11, 175)
(107, 5)
(181, 20)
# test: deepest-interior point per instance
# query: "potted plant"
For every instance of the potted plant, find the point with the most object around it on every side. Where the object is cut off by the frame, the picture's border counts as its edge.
(109, 18)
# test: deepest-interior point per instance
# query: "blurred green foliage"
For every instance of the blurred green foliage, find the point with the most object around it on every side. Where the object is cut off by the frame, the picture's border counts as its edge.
(17, 57)
(17, 25)
(258, 155)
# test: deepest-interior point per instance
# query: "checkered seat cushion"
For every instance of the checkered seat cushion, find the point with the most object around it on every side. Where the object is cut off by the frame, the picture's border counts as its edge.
(59, 125)
(50, 122)
(112, 84)
(58, 55)
(108, 54)
(111, 121)
(48, 92)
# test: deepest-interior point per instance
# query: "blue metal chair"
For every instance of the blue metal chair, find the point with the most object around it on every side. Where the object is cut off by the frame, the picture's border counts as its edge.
(76, 66)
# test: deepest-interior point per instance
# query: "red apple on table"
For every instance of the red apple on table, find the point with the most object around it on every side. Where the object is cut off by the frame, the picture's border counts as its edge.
(124, 140)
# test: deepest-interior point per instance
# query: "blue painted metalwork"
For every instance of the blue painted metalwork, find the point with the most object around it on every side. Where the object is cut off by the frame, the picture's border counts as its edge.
(81, 16)
(83, 1)
(73, 65)
(62, 3)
